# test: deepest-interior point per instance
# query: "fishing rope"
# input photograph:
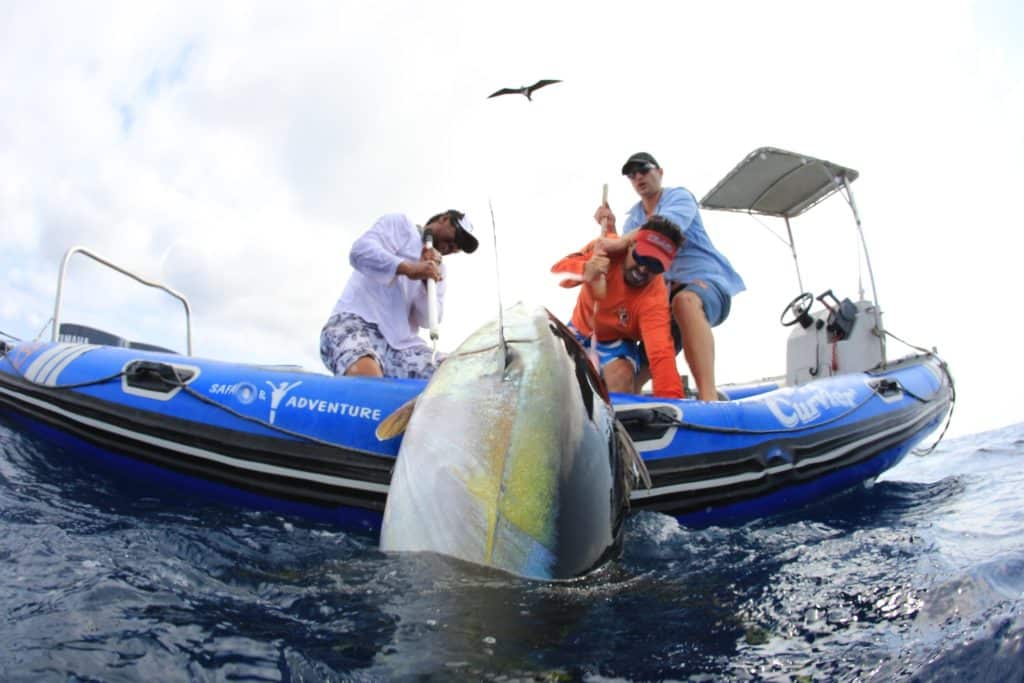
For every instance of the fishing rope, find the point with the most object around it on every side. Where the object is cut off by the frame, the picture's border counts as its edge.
(875, 391)
(782, 430)
(788, 430)
(952, 389)
(77, 385)
(181, 384)
(497, 282)
(269, 425)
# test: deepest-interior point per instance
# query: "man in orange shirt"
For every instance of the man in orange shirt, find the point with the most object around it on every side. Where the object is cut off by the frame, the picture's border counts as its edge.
(624, 299)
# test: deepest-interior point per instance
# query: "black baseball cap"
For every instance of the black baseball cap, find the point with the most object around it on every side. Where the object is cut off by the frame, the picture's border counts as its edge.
(639, 161)
(464, 234)
(464, 238)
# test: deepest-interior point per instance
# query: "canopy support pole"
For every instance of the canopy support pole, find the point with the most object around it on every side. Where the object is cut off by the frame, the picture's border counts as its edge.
(796, 261)
(880, 331)
(863, 243)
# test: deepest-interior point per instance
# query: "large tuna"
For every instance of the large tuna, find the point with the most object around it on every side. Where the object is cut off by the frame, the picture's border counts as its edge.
(512, 457)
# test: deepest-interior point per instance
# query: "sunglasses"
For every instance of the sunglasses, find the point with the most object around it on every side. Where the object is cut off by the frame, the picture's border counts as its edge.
(640, 170)
(649, 263)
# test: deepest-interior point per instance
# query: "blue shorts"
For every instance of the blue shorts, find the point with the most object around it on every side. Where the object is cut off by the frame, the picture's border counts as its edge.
(609, 351)
(717, 303)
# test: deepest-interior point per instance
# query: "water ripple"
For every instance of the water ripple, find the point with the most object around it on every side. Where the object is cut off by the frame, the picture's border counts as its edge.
(919, 577)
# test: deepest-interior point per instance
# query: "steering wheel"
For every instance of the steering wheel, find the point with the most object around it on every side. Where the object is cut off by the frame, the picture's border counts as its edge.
(798, 308)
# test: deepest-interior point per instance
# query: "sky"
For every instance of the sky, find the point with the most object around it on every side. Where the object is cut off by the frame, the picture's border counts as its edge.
(233, 151)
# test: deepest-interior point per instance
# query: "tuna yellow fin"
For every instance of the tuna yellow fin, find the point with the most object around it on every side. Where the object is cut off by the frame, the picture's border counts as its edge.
(394, 424)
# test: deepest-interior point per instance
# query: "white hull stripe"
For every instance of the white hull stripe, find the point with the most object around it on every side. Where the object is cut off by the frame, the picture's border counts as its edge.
(263, 468)
(41, 366)
(47, 367)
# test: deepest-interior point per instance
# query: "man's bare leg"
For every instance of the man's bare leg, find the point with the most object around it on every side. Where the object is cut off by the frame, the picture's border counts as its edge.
(366, 366)
(698, 342)
(643, 376)
(619, 375)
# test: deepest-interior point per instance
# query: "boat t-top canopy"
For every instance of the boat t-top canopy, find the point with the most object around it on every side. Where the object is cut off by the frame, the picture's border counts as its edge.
(774, 182)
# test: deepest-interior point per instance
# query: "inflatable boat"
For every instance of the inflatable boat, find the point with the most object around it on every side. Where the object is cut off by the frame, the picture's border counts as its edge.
(284, 438)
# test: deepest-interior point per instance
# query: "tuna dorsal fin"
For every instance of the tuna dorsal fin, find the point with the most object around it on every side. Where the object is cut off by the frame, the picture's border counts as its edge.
(631, 460)
(394, 424)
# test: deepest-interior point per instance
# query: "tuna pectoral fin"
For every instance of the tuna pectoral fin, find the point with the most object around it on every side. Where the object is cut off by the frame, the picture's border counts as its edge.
(631, 460)
(394, 424)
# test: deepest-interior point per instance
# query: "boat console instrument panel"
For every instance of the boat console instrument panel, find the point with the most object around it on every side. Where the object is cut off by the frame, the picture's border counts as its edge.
(840, 338)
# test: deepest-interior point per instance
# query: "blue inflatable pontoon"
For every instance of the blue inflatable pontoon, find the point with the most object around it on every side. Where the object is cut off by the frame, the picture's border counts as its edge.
(303, 441)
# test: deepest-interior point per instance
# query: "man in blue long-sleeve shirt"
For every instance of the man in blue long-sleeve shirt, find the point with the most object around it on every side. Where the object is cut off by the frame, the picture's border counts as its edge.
(701, 280)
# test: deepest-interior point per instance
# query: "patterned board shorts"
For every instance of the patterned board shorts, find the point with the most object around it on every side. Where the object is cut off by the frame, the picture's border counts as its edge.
(346, 338)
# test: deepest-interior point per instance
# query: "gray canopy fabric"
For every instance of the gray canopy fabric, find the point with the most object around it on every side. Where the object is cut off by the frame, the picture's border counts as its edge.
(774, 182)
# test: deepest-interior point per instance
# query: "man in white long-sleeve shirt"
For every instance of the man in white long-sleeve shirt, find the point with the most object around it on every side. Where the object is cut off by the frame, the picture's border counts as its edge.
(373, 330)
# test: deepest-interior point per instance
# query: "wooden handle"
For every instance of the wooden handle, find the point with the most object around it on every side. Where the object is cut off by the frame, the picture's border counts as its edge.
(600, 286)
(605, 232)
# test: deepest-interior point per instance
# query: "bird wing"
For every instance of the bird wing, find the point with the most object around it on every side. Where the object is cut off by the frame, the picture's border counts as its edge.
(504, 91)
(541, 84)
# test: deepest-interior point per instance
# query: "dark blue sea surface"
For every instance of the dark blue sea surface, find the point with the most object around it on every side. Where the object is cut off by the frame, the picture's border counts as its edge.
(104, 577)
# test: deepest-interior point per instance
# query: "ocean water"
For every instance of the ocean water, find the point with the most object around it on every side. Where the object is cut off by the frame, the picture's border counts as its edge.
(918, 577)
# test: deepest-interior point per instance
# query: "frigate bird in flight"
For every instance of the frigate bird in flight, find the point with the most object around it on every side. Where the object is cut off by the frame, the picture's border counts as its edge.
(525, 90)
